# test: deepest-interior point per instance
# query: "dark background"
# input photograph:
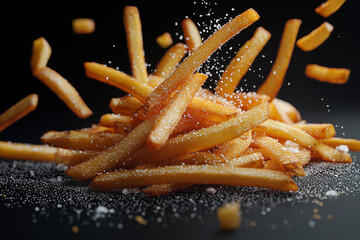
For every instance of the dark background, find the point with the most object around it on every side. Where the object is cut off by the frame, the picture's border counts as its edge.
(22, 22)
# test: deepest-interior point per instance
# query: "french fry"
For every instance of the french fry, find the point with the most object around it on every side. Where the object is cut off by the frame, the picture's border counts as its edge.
(164, 40)
(192, 62)
(287, 110)
(64, 90)
(41, 52)
(83, 25)
(315, 38)
(126, 105)
(154, 80)
(353, 144)
(206, 94)
(117, 79)
(191, 34)
(242, 61)
(81, 140)
(171, 114)
(273, 82)
(21, 151)
(278, 114)
(251, 160)
(281, 130)
(18, 111)
(204, 138)
(283, 157)
(229, 216)
(170, 60)
(113, 156)
(165, 188)
(319, 131)
(329, 7)
(205, 174)
(110, 119)
(326, 74)
(134, 38)
(235, 147)
(247, 100)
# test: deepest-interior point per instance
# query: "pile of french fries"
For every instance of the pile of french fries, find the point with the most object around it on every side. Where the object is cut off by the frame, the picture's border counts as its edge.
(168, 133)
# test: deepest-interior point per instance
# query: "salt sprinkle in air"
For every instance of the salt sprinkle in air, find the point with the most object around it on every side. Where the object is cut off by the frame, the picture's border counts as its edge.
(332, 193)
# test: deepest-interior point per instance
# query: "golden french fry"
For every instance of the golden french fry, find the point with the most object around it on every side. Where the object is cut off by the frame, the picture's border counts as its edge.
(329, 7)
(251, 160)
(315, 38)
(277, 152)
(83, 25)
(117, 79)
(64, 90)
(273, 82)
(171, 114)
(81, 140)
(287, 111)
(204, 174)
(192, 62)
(204, 138)
(126, 105)
(114, 155)
(191, 34)
(170, 60)
(165, 188)
(229, 216)
(317, 130)
(281, 130)
(247, 100)
(21, 151)
(326, 74)
(278, 114)
(164, 40)
(41, 52)
(235, 147)
(18, 111)
(109, 120)
(242, 61)
(353, 144)
(134, 38)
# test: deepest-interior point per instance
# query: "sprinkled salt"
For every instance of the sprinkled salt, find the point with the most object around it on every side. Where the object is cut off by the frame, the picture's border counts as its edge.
(211, 190)
(332, 193)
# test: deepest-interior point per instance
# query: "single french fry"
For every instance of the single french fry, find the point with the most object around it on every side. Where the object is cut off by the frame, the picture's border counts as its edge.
(30, 152)
(170, 60)
(326, 74)
(41, 52)
(95, 129)
(204, 174)
(353, 144)
(171, 114)
(277, 113)
(274, 81)
(134, 38)
(192, 62)
(329, 7)
(64, 90)
(73, 157)
(251, 160)
(117, 79)
(164, 40)
(281, 130)
(287, 111)
(235, 147)
(191, 34)
(229, 216)
(126, 105)
(81, 140)
(18, 111)
(121, 124)
(247, 100)
(83, 25)
(242, 61)
(204, 138)
(165, 188)
(283, 157)
(319, 131)
(114, 155)
(315, 38)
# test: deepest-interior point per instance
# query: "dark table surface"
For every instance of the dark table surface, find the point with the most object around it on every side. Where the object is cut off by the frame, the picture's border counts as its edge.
(37, 201)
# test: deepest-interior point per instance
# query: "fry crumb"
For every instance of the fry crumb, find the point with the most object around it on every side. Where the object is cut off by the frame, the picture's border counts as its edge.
(229, 216)
(75, 229)
(140, 220)
(330, 216)
(253, 223)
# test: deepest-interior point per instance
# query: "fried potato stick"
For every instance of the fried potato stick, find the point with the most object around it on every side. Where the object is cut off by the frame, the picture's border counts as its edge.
(242, 61)
(164, 40)
(134, 38)
(204, 174)
(83, 25)
(235, 147)
(18, 111)
(126, 105)
(40, 55)
(315, 38)
(170, 60)
(273, 82)
(64, 90)
(353, 144)
(326, 74)
(191, 34)
(192, 62)
(329, 7)
(318, 130)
